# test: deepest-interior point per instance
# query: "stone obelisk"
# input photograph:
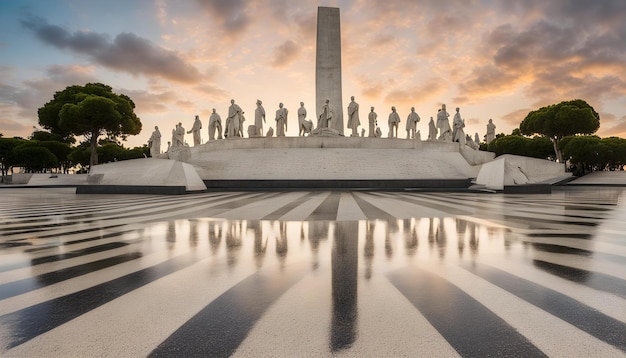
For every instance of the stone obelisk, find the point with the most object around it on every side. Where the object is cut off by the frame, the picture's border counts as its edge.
(328, 64)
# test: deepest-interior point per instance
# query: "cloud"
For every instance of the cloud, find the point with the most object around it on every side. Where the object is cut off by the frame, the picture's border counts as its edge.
(10, 127)
(150, 102)
(36, 92)
(416, 94)
(285, 54)
(231, 15)
(516, 117)
(127, 52)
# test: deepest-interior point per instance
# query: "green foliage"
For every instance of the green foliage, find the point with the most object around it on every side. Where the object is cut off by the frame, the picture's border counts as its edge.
(556, 121)
(44, 136)
(34, 158)
(591, 153)
(536, 147)
(7, 145)
(91, 110)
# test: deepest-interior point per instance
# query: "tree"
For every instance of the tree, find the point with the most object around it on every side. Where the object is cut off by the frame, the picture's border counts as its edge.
(34, 158)
(7, 145)
(91, 111)
(44, 136)
(557, 121)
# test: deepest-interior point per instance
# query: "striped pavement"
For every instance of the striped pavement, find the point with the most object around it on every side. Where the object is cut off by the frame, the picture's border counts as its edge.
(313, 273)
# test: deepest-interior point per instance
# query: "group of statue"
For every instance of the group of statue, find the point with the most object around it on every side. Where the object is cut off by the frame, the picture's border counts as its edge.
(233, 127)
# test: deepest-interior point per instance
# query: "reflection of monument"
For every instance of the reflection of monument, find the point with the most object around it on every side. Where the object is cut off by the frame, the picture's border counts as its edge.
(328, 64)
(344, 285)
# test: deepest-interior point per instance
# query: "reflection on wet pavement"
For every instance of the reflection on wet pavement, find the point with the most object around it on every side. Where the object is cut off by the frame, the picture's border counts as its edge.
(283, 274)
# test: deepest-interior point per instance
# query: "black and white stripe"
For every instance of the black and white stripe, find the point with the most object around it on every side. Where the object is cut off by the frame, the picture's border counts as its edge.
(312, 273)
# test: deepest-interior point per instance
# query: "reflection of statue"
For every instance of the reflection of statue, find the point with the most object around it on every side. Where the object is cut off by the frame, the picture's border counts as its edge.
(432, 130)
(372, 122)
(281, 121)
(259, 117)
(155, 142)
(411, 123)
(353, 117)
(233, 120)
(215, 124)
(458, 134)
(491, 131)
(304, 125)
(445, 132)
(195, 129)
(394, 121)
(326, 116)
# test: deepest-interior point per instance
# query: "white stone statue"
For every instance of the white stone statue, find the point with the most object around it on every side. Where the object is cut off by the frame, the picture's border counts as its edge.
(281, 121)
(458, 134)
(233, 120)
(411, 124)
(259, 117)
(326, 116)
(155, 142)
(241, 120)
(353, 117)
(372, 122)
(432, 130)
(178, 136)
(476, 139)
(470, 142)
(443, 124)
(215, 124)
(195, 129)
(305, 126)
(393, 121)
(491, 132)
(270, 132)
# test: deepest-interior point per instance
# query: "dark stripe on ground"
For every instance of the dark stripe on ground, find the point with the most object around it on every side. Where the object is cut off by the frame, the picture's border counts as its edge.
(471, 328)
(219, 328)
(33, 321)
(77, 253)
(32, 283)
(370, 210)
(595, 280)
(277, 214)
(564, 307)
(327, 210)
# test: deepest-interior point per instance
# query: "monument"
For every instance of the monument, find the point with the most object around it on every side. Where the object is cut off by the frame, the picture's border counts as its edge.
(328, 64)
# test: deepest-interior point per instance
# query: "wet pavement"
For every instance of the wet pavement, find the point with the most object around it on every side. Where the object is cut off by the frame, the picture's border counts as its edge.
(313, 274)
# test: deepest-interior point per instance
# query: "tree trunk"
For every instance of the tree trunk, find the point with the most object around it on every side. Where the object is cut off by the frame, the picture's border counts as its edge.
(557, 151)
(93, 159)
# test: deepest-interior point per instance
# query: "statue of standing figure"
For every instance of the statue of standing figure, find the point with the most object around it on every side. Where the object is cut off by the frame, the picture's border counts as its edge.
(215, 124)
(353, 117)
(443, 124)
(393, 121)
(233, 121)
(458, 134)
(155, 142)
(259, 117)
(195, 129)
(305, 126)
(326, 116)
(178, 136)
(411, 124)
(432, 130)
(372, 122)
(491, 132)
(281, 121)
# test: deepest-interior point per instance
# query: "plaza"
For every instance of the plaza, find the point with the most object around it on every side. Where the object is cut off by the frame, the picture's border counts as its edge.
(313, 273)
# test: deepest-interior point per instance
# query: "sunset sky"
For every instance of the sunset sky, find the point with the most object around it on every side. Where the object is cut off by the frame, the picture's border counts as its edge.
(175, 58)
